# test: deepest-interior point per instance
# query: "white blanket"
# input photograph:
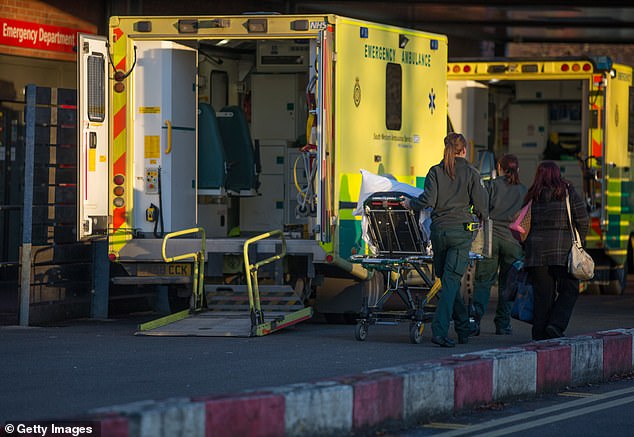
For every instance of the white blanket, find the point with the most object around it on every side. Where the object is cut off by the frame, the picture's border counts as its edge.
(372, 183)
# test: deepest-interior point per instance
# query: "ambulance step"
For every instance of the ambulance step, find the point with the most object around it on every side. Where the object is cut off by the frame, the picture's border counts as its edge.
(226, 324)
(222, 297)
(150, 280)
(207, 324)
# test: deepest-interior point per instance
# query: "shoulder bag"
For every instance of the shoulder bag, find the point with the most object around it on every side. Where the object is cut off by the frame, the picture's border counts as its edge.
(580, 263)
(521, 226)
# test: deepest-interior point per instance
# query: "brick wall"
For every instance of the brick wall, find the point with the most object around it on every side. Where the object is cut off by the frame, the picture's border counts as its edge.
(67, 14)
(621, 54)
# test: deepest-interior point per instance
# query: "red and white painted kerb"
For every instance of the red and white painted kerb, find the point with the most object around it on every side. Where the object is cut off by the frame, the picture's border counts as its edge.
(396, 395)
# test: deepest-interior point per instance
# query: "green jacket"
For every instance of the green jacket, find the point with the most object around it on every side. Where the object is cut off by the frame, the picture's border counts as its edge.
(451, 200)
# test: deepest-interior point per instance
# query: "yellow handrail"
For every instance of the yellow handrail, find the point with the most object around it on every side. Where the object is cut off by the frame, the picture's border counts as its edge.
(199, 263)
(252, 272)
(168, 149)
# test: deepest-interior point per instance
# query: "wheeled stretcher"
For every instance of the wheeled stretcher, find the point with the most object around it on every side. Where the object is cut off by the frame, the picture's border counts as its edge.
(404, 257)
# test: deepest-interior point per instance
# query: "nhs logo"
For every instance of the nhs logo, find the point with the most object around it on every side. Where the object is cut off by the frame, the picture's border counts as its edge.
(318, 25)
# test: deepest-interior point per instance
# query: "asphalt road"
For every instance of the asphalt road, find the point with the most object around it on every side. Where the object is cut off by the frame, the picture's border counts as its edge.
(62, 371)
(588, 411)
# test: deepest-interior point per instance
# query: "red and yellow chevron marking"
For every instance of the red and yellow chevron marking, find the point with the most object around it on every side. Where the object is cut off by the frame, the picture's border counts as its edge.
(118, 152)
(597, 148)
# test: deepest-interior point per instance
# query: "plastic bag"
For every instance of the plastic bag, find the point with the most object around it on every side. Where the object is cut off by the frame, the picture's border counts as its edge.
(521, 226)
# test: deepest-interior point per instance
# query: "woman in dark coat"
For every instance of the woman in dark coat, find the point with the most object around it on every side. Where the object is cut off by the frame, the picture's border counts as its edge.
(546, 250)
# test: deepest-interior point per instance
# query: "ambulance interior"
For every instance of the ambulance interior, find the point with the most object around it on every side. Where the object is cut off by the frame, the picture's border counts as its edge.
(268, 182)
(534, 120)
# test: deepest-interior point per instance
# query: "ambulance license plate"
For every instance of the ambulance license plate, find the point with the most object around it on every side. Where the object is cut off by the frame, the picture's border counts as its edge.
(167, 269)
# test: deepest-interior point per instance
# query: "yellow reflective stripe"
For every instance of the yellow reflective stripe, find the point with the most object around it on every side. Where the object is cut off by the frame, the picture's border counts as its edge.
(346, 214)
(353, 181)
(612, 237)
(616, 252)
(614, 208)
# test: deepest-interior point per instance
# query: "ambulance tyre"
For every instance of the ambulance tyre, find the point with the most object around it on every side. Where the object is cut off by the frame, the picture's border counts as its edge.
(178, 296)
(618, 282)
(610, 276)
(629, 262)
(616, 286)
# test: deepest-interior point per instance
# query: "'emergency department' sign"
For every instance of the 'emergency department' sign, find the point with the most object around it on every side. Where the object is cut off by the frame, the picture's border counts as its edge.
(38, 36)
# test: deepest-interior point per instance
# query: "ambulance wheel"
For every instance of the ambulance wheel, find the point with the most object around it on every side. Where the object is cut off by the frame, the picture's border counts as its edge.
(617, 283)
(416, 332)
(178, 297)
(361, 331)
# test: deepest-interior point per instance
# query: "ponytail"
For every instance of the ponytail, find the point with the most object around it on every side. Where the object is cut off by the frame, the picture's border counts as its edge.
(455, 144)
(510, 167)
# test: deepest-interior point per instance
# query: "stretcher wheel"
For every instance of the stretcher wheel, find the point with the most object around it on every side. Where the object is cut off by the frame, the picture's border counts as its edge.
(361, 331)
(416, 332)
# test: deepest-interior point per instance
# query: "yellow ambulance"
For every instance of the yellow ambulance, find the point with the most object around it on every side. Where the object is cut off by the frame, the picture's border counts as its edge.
(573, 110)
(241, 125)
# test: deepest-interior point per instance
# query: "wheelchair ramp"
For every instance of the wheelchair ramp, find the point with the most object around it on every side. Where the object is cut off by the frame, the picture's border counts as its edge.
(228, 314)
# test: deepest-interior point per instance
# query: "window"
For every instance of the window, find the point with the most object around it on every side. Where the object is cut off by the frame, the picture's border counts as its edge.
(393, 96)
(96, 88)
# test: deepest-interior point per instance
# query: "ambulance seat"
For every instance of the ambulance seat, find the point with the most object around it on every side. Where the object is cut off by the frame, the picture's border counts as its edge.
(242, 172)
(212, 161)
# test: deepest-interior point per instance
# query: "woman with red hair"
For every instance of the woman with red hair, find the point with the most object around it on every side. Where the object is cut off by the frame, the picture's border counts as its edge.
(546, 249)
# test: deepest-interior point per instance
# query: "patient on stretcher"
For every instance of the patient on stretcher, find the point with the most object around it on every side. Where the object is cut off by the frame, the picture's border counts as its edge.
(387, 227)
(391, 230)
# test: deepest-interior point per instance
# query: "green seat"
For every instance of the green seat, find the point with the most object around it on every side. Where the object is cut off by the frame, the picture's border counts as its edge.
(242, 172)
(212, 161)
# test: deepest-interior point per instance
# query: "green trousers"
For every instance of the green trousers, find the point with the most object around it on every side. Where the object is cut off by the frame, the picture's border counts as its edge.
(451, 256)
(504, 254)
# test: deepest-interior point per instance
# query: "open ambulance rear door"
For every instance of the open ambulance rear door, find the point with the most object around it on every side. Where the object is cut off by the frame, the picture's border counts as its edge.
(326, 138)
(92, 141)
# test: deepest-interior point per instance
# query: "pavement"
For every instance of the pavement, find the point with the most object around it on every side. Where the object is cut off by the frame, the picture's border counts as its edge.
(354, 398)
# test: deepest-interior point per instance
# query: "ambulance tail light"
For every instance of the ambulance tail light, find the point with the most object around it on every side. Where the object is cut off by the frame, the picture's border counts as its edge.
(118, 191)
(460, 69)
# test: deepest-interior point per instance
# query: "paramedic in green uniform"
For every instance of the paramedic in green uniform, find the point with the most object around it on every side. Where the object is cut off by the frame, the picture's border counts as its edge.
(506, 196)
(451, 188)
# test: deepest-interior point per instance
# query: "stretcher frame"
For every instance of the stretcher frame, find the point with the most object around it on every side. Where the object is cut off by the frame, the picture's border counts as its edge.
(395, 233)
(399, 250)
